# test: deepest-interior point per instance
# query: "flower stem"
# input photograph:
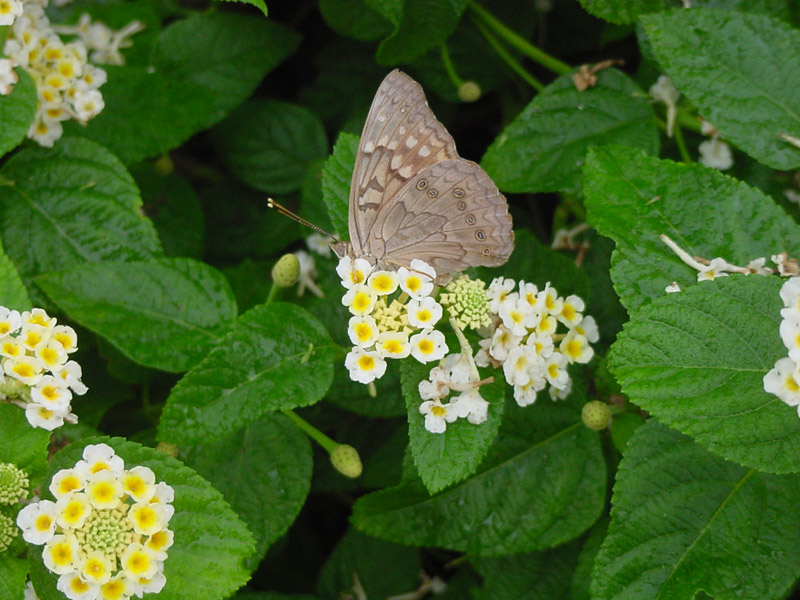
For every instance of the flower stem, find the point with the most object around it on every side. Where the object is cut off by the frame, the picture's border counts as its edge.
(514, 39)
(273, 293)
(513, 64)
(312, 432)
(685, 156)
(449, 67)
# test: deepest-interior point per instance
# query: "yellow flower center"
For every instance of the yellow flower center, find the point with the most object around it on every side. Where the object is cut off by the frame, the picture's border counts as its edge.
(393, 347)
(361, 301)
(791, 384)
(424, 315)
(68, 484)
(366, 363)
(24, 370)
(425, 346)
(568, 311)
(363, 331)
(574, 348)
(438, 411)
(43, 522)
(413, 283)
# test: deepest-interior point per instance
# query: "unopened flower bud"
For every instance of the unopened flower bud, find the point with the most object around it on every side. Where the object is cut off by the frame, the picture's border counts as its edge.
(164, 165)
(469, 91)
(13, 484)
(286, 271)
(596, 415)
(8, 531)
(346, 460)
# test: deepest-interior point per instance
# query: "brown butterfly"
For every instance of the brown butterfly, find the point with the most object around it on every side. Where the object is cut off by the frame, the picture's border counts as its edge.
(412, 195)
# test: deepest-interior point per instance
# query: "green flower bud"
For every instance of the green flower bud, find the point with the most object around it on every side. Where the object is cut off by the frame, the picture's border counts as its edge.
(596, 415)
(8, 531)
(164, 165)
(286, 271)
(346, 460)
(168, 449)
(469, 91)
(14, 484)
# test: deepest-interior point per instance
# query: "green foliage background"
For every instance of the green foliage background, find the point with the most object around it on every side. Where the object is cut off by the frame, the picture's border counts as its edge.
(148, 231)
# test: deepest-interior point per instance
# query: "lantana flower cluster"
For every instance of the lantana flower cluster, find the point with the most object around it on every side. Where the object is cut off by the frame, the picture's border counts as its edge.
(783, 379)
(394, 315)
(106, 536)
(37, 373)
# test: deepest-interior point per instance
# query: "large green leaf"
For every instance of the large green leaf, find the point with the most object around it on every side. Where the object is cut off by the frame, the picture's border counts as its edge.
(17, 111)
(445, 458)
(270, 144)
(71, 204)
(354, 19)
(12, 291)
(543, 149)
(521, 499)
(739, 70)
(202, 67)
(633, 198)
(263, 469)
(13, 574)
(625, 12)
(165, 313)
(259, 4)
(336, 175)
(206, 561)
(278, 356)
(22, 444)
(684, 520)
(696, 360)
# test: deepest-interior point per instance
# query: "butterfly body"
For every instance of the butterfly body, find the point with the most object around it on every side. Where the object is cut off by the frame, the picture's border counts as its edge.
(413, 197)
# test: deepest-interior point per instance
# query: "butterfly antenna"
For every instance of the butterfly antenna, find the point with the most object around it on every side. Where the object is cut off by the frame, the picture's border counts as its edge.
(287, 213)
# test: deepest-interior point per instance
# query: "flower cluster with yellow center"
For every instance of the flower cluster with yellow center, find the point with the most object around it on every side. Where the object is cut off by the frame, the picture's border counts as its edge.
(385, 326)
(106, 535)
(37, 373)
(783, 380)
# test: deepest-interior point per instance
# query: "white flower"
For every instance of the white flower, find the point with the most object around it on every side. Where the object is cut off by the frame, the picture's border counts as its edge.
(11, 321)
(783, 380)
(417, 281)
(67, 481)
(541, 344)
(52, 393)
(548, 302)
(72, 510)
(308, 272)
(61, 554)
(43, 417)
(518, 316)
(528, 292)
(71, 373)
(393, 344)
(38, 522)
(45, 131)
(790, 294)
(99, 457)
(383, 283)
(588, 328)
(575, 347)
(790, 334)
(457, 367)
(673, 288)
(149, 518)
(74, 587)
(716, 154)
(33, 336)
(571, 311)
(353, 272)
(104, 489)
(360, 299)
(502, 343)
(363, 331)
(561, 394)
(52, 355)
(30, 593)
(139, 483)
(423, 313)
(11, 348)
(435, 387)
(364, 366)
(472, 405)
(525, 395)
(428, 345)
(153, 585)
(555, 370)
(498, 292)
(160, 542)
(138, 562)
(26, 369)
(438, 415)
(663, 90)
(8, 76)
(9, 11)
(517, 367)
(319, 244)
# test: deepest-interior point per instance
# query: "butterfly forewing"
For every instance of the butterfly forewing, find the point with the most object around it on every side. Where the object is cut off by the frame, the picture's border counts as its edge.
(451, 215)
(401, 137)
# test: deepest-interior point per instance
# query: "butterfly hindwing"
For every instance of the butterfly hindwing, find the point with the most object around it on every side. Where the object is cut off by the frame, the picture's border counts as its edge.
(401, 137)
(450, 214)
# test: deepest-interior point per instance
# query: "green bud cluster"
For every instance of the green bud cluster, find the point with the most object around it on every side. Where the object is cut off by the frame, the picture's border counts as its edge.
(466, 301)
(596, 415)
(8, 531)
(107, 531)
(14, 484)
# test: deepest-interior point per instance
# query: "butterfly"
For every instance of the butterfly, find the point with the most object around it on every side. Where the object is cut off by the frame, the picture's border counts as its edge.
(413, 197)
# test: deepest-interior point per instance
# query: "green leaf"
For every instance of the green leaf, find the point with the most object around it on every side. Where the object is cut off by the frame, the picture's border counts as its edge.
(521, 499)
(206, 561)
(527, 576)
(259, 4)
(445, 458)
(270, 144)
(278, 356)
(633, 198)
(22, 444)
(13, 574)
(696, 360)
(543, 149)
(750, 97)
(422, 25)
(174, 209)
(13, 294)
(336, 175)
(166, 313)
(202, 68)
(248, 595)
(354, 19)
(71, 204)
(355, 397)
(263, 469)
(623, 12)
(17, 111)
(582, 575)
(382, 568)
(684, 520)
